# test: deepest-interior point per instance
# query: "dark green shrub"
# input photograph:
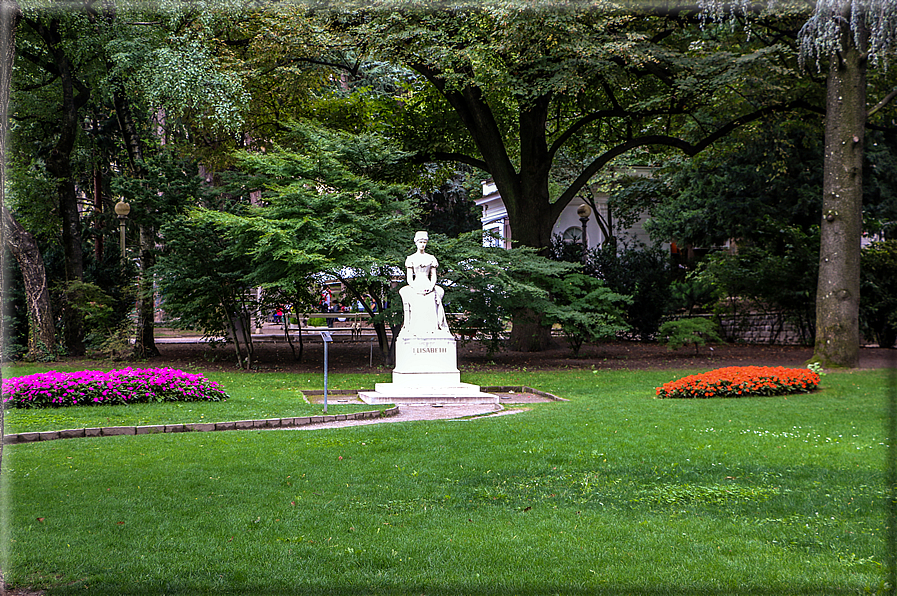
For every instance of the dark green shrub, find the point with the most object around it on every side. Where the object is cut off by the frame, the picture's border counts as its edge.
(642, 272)
(878, 293)
(692, 294)
(757, 281)
(682, 332)
(586, 310)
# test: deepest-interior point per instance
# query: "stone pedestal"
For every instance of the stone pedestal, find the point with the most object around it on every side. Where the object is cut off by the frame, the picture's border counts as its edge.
(426, 372)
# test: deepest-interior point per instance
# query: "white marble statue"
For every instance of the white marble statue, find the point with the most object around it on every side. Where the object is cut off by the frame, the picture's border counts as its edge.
(422, 298)
(426, 369)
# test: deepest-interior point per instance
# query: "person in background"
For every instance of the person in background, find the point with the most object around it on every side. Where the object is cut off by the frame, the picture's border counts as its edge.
(326, 300)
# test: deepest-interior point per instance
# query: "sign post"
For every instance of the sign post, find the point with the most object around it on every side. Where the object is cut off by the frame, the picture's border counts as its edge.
(326, 338)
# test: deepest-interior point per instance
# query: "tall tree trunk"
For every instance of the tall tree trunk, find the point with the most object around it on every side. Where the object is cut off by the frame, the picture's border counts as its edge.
(524, 193)
(41, 331)
(59, 164)
(22, 245)
(838, 292)
(528, 331)
(145, 342)
(71, 241)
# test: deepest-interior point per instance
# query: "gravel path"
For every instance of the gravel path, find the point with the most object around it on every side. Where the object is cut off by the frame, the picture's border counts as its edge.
(408, 413)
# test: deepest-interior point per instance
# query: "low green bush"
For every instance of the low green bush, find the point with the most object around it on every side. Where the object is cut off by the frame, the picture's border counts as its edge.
(878, 293)
(683, 332)
(317, 322)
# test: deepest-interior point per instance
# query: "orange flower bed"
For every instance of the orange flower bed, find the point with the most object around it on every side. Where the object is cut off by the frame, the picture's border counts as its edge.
(742, 381)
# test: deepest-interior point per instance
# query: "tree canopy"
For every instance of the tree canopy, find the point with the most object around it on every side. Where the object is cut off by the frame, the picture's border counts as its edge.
(332, 130)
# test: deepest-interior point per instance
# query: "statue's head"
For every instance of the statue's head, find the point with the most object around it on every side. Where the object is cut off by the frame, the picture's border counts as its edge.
(420, 237)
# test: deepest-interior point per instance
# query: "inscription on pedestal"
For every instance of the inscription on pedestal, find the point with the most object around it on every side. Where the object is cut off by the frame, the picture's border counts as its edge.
(415, 355)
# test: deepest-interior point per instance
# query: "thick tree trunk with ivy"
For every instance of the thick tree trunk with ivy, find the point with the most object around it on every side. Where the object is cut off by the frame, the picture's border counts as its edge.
(22, 244)
(41, 331)
(838, 293)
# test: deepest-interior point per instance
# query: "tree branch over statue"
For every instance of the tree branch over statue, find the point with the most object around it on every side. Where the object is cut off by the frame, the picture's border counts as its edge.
(514, 88)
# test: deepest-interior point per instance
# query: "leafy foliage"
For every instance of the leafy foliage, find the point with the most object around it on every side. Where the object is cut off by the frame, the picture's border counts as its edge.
(748, 188)
(204, 280)
(758, 280)
(586, 309)
(641, 272)
(327, 203)
(751, 185)
(682, 332)
(878, 293)
(543, 98)
(692, 293)
(880, 185)
(447, 208)
(485, 285)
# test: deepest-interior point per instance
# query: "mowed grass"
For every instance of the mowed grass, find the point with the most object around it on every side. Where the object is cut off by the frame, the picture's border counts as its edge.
(613, 492)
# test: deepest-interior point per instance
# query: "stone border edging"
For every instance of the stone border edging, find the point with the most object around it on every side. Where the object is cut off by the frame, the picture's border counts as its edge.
(112, 431)
(521, 389)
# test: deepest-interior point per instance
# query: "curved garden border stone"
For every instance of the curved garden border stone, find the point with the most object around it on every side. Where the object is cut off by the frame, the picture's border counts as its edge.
(113, 431)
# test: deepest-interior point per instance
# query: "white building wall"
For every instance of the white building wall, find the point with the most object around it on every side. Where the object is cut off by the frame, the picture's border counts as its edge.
(495, 218)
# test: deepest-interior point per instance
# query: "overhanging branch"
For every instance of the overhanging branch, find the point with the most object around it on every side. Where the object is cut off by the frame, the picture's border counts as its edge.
(454, 157)
(887, 99)
(688, 148)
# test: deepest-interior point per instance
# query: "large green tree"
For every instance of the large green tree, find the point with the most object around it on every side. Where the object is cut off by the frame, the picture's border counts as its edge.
(332, 204)
(843, 37)
(52, 68)
(520, 92)
(22, 244)
(99, 91)
(847, 50)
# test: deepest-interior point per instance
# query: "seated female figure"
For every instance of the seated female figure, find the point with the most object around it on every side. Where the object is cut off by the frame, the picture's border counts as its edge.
(422, 298)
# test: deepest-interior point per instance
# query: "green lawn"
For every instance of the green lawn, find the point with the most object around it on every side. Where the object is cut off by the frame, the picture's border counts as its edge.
(613, 492)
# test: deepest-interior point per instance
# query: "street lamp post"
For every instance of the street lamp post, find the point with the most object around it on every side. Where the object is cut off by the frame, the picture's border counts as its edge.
(584, 211)
(122, 209)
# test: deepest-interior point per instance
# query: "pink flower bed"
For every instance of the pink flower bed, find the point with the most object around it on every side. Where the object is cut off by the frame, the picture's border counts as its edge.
(87, 388)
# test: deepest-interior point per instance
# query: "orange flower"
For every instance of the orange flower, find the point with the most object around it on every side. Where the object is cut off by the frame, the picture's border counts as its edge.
(736, 381)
